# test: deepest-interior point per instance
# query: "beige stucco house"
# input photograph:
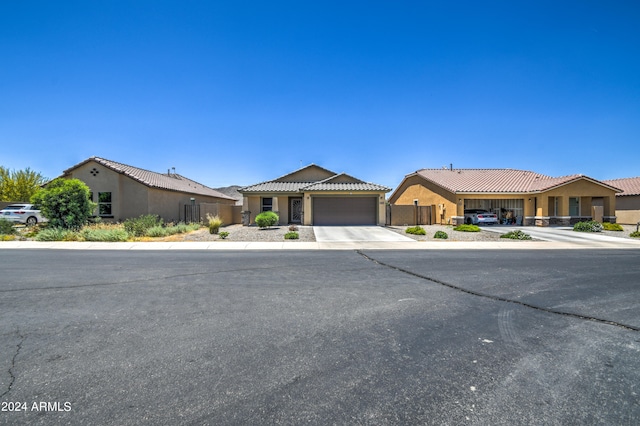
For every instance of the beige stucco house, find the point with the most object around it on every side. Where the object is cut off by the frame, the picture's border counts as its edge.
(122, 191)
(627, 201)
(528, 197)
(314, 195)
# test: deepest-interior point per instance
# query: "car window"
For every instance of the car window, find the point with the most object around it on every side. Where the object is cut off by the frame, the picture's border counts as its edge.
(14, 207)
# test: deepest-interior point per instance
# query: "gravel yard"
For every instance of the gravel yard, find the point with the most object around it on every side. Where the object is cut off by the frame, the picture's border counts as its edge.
(252, 234)
(276, 234)
(453, 235)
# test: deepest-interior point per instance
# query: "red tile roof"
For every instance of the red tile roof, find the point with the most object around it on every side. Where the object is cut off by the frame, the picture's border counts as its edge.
(629, 186)
(496, 180)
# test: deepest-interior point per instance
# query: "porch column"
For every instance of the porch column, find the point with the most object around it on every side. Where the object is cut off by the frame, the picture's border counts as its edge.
(541, 217)
(456, 218)
(275, 208)
(306, 209)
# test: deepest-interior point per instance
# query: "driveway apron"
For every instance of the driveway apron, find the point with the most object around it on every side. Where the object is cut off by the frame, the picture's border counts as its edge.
(356, 233)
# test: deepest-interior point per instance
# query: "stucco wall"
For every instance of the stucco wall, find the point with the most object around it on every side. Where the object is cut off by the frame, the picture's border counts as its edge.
(101, 179)
(230, 214)
(253, 204)
(427, 194)
(628, 209)
(585, 190)
(130, 198)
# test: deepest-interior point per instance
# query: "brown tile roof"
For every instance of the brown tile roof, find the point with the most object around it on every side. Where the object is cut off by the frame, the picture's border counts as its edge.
(344, 182)
(170, 182)
(496, 180)
(629, 186)
(335, 182)
(274, 186)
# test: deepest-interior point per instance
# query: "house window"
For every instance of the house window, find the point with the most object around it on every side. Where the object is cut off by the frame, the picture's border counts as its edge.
(574, 206)
(104, 204)
(267, 204)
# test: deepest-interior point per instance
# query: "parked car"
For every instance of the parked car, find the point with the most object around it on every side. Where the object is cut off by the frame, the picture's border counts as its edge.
(22, 213)
(479, 217)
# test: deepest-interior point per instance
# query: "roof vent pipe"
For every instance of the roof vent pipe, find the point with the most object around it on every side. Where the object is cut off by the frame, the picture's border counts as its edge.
(451, 166)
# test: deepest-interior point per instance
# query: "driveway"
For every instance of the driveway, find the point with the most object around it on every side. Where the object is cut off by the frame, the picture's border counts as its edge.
(559, 234)
(326, 234)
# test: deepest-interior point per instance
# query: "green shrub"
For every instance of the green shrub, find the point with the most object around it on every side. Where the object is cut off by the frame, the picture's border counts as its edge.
(467, 228)
(215, 222)
(590, 226)
(183, 228)
(157, 232)
(138, 227)
(266, 219)
(292, 235)
(416, 230)
(66, 203)
(7, 237)
(223, 234)
(6, 227)
(107, 235)
(516, 235)
(612, 226)
(441, 235)
(56, 234)
(635, 234)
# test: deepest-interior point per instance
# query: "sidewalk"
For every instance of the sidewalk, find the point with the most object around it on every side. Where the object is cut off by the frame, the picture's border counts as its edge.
(292, 245)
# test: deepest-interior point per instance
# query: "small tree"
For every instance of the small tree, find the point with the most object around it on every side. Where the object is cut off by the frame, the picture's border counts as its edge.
(66, 203)
(19, 185)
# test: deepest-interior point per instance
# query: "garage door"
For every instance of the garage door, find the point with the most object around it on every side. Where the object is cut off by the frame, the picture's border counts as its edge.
(344, 210)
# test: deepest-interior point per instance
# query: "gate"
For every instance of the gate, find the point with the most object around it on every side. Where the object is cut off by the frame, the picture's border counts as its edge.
(398, 215)
(191, 213)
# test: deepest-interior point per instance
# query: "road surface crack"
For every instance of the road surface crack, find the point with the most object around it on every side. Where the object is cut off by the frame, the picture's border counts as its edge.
(500, 299)
(12, 377)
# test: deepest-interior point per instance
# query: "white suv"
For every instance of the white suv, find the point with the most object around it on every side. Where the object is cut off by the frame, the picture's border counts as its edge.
(22, 213)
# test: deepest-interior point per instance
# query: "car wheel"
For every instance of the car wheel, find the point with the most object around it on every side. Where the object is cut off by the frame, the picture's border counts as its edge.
(469, 221)
(32, 220)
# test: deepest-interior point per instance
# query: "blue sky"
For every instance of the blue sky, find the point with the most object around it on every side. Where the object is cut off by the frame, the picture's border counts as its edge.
(238, 92)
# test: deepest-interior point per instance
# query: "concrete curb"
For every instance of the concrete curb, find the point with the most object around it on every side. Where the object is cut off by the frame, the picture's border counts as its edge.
(290, 245)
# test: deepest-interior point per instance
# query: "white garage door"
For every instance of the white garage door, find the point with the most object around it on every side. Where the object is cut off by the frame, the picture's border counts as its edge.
(345, 211)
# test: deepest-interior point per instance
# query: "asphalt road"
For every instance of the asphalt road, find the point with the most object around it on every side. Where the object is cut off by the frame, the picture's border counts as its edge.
(320, 337)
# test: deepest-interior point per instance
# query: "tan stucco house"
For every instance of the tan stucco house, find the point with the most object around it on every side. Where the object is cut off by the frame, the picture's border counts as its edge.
(122, 191)
(528, 197)
(627, 201)
(314, 195)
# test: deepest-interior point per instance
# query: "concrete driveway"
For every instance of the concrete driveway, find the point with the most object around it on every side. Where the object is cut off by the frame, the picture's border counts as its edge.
(356, 233)
(558, 234)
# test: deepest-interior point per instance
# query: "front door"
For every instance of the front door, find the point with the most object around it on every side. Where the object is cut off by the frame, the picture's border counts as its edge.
(295, 210)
